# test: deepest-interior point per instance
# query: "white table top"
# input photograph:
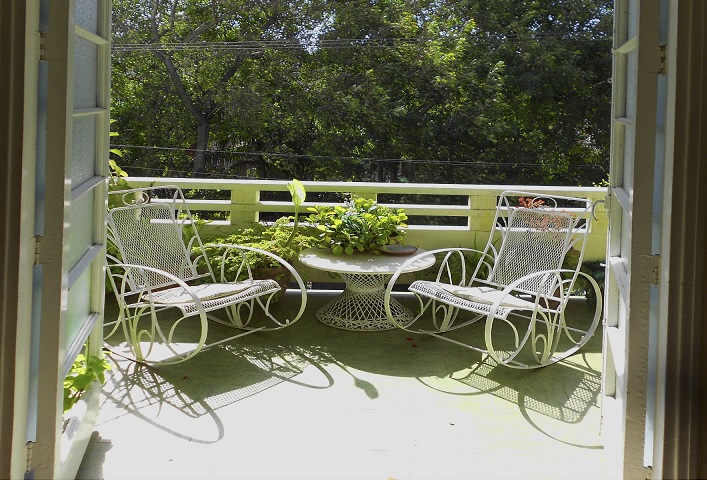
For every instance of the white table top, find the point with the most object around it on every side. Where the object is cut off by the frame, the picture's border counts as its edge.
(362, 263)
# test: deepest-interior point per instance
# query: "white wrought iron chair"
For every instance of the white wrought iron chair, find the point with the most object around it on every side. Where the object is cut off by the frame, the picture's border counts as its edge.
(517, 283)
(159, 265)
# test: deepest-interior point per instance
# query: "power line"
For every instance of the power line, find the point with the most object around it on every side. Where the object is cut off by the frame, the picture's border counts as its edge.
(452, 163)
(160, 172)
(259, 45)
(339, 43)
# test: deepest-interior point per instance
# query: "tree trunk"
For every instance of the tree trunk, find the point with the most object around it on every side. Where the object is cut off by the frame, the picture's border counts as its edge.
(394, 172)
(202, 142)
(408, 172)
(391, 169)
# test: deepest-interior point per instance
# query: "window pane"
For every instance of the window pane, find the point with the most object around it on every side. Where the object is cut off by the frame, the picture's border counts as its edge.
(83, 161)
(85, 68)
(79, 310)
(87, 15)
(80, 226)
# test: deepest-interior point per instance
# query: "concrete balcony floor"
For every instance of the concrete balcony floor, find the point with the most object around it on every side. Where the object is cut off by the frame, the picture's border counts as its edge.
(314, 402)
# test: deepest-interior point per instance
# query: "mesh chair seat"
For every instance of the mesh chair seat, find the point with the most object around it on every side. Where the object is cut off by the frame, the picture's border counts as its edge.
(454, 295)
(214, 295)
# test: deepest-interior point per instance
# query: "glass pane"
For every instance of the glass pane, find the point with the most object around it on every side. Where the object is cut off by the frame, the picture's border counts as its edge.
(83, 162)
(631, 80)
(87, 15)
(625, 235)
(628, 156)
(85, 68)
(80, 227)
(79, 310)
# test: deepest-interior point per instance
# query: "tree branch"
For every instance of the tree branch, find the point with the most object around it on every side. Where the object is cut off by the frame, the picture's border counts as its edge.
(206, 26)
(181, 90)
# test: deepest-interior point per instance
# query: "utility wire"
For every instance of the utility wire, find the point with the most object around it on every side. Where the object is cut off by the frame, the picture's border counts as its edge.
(452, 163)
(160, 172)
(339, 43)
(259, 45)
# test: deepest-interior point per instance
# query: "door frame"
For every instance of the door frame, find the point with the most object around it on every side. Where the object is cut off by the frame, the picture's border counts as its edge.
(680, 449)
(72, 248)
(26, 46)
(663, 421)
(630, 248)
(19, 52)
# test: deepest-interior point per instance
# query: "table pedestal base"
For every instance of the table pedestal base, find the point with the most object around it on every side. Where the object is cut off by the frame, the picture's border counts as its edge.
(361, 306)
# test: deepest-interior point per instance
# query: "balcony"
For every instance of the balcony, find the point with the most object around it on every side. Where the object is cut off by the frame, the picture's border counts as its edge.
(315, 402)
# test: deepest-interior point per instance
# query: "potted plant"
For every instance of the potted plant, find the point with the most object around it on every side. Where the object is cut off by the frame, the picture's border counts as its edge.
(285, 238)
(360, 225)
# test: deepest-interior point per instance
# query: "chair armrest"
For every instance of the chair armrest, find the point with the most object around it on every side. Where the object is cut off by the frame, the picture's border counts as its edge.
(229, 247)
(449, 253)
(468, 272)
(553, 292)
(141, 290)
(244, 267)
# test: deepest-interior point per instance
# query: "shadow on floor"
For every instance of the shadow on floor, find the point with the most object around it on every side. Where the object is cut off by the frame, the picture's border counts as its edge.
(331, 386)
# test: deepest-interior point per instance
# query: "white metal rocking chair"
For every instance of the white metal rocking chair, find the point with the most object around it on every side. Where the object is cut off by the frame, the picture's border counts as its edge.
(520, 286)
(161, 265)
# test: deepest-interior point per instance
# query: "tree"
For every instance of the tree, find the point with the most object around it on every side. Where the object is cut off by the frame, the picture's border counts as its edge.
(179, 33)
(375, 90)
(558, 64)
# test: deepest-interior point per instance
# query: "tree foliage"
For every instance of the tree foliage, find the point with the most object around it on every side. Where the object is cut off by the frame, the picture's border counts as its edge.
(456, 91)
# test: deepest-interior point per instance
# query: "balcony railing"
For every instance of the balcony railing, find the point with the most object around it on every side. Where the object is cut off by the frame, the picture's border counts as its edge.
(464, 212)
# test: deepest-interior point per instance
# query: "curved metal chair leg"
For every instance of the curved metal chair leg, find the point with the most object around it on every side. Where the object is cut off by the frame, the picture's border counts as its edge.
(543, 335)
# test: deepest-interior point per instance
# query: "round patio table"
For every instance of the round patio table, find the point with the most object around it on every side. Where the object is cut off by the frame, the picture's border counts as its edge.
(361, 306)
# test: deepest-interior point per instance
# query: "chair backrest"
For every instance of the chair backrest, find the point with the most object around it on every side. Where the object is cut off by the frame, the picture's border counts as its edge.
(153, 227)
(536, 232)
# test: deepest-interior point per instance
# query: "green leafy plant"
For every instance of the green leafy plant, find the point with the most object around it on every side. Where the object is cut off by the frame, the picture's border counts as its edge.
(118, 179)
(84, 372)
(360, 225)
(115, 151)
(277, 238)
(285, 238)
(298, 194)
